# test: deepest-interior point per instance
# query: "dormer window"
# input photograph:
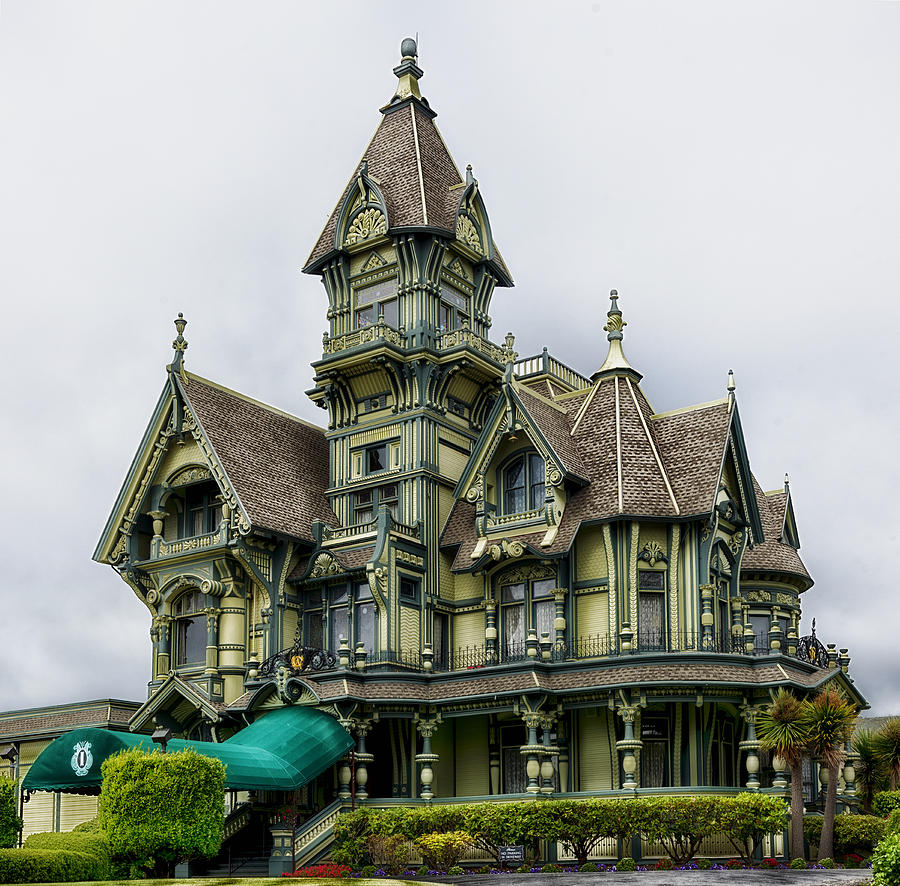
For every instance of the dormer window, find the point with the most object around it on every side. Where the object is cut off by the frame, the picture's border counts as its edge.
(522, 484)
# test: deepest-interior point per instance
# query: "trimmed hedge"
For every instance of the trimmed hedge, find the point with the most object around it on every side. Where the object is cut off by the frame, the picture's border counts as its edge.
(886, 862)
(95, 844)
(680, 823)
(50, 866)
(858, 834)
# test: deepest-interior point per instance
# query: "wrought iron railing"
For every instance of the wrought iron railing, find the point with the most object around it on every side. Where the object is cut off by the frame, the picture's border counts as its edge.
(299, 659)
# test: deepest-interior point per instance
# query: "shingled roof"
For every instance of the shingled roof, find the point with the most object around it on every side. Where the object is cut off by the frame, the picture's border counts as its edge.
(421, 184)
(774, 555)
(277, 464)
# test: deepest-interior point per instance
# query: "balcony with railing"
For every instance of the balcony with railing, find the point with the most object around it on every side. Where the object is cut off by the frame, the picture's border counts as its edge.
(299, 659)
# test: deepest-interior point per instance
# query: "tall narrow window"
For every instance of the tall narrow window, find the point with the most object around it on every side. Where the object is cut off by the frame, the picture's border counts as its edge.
(654, 753)
(364, 615)
(522, 483)
(312, 614)
(543, 606)
(440, 639)
(651, 609)
(202, 510)
(453, 310)
(190, 629)
(338, 616)
(512, 616)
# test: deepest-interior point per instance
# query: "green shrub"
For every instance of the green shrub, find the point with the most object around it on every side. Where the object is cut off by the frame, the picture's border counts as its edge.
(390, 852)
(886, 862)
(442, 851)
(157, 809)
(892, 826)
(456, 871)
(10, 823)
(368, 870)
(49, 866)
(852, 833)
(745, 818)
(679, 823)
(551, 869)
(589, 868)
(826, 863)
(798, 864)
(886, 802)
(93, 844)
(422, 871)
(91, 826)
(523, 869)
(704, 864)
(626, 864)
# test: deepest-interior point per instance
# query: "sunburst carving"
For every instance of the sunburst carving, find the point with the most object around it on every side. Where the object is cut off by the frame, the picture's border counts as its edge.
(368, 223)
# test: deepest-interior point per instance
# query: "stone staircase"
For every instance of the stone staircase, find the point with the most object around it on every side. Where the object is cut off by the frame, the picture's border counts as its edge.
(314, 837)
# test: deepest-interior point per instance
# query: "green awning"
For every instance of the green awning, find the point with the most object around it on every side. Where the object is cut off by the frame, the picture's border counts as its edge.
(281, 751)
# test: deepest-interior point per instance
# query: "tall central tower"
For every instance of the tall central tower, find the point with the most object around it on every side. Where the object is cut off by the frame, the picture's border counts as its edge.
(408, 374)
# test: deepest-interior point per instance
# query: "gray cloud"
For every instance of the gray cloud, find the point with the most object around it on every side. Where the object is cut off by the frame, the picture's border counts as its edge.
(729, 168)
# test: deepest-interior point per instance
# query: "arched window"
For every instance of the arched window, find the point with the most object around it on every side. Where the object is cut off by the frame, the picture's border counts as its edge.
(522, 484)
(190, 629)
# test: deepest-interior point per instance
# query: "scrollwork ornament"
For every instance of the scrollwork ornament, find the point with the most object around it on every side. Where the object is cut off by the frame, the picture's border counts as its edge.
(653, 553)
(554, 476)
(368, 223)
(468, 233)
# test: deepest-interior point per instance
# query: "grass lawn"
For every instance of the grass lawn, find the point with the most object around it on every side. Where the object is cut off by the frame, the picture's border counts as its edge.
(245, 881)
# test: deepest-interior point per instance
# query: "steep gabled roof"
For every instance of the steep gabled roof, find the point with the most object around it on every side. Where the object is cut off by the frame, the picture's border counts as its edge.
(277, 464)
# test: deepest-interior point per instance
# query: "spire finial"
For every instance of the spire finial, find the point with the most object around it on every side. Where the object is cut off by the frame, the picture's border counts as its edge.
(787, 482)
(509, 354)
(180, 344)
(616, 362)
(731, 386)
(614, 324)
(408, 72)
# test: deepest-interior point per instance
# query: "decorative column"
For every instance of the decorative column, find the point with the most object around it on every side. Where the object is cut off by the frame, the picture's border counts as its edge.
(162, 623)
(751, 746)
(775, 632)
(428, 658)
(779, 765)
(749, 636)
(792, 640)
(158, 518)
(427, 757)
(628, 745)
(344, 653)
(532, 751)
(546, 647)
(362, 758)
(832, 656)
(344, 776)
(844, 661)
(737, 624)
(706, 615)
(562, 742)
(360, 656)
(490, 631)
(626, 638)
(212, 640)
(548, 753)
(850, 769)
(559, 621)
(532, 646)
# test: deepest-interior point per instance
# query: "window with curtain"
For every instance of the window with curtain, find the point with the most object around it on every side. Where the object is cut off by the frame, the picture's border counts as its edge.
(522, 484)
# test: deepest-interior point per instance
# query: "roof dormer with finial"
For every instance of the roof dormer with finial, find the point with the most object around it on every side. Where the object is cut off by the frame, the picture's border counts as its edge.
(408, 247)
(616, 363)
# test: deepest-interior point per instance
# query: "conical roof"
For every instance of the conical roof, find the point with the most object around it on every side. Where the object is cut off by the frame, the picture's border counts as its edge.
(410, 164)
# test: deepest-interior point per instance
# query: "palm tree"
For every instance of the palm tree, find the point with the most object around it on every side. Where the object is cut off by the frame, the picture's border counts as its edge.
(780, 730)
(869, 767)
(827, 721)
(887, 746)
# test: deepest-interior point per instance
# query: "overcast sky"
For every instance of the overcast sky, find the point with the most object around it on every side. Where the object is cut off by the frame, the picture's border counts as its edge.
(730, 168)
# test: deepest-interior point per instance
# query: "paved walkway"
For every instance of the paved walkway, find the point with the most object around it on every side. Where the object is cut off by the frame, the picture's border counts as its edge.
(678, 878)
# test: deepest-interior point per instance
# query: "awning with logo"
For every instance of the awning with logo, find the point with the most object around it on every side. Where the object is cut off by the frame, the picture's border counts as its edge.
(281, 751)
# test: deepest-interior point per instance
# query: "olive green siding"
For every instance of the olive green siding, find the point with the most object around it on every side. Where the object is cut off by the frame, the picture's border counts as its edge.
(471, 756)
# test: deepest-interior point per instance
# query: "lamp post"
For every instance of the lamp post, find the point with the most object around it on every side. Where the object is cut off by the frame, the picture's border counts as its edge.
(10, 753)
(161, 736)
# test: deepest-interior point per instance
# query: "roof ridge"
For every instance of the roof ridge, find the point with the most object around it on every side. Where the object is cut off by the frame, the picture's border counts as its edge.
(584, 406)
(653, 447)
(519, 387)
(412, 117)
(248, 399)
(683, 409)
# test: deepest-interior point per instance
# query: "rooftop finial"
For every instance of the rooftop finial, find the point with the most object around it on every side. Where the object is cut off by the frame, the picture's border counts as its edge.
(787, 482)
(509, 354)
(408, 72)
(180, 344)
(616, 362)
(731, 386)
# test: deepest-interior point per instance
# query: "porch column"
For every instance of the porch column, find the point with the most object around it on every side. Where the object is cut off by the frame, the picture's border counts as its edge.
(532, 751)
(628, 745)
(775, 632)
(850, 770)
(559, 621)
(212, 640)
(163, 624)
(426, 758)
(362, 728)
(751, 746)
(345, 773)
(548, 752)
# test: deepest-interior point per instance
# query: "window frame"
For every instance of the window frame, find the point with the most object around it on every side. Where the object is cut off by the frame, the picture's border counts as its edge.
(203, 500)
(192, 612)
(529, 605)
(376, 305)
(655, 638)
(453, 310)
(349, 596)
(378, 496)
(533, 466)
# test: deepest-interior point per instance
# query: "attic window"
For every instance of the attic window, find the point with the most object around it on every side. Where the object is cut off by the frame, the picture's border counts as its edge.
(522, 484)
(202, 510)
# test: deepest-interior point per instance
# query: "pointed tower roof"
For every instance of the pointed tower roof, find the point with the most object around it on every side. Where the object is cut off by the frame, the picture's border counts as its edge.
(616, 363)
(408, 164)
